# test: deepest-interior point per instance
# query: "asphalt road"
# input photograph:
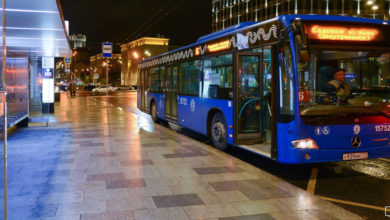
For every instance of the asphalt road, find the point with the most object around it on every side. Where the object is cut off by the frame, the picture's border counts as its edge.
(362, 187)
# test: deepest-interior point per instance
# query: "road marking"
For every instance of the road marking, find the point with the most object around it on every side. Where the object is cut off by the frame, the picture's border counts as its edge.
(353, 203)
(385, 159)
(311, 186)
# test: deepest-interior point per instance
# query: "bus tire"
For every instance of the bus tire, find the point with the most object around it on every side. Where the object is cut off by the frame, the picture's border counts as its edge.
(153, 112)
(218, 132)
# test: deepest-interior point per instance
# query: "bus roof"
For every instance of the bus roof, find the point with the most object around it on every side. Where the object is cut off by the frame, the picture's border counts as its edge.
(288, 18)
(209, 37)
(285, 19)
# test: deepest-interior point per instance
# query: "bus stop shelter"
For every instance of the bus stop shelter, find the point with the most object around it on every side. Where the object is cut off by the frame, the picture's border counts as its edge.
(33, 29)
(30, 31)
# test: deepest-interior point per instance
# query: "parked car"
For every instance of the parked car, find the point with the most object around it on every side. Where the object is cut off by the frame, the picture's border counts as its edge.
(61, 87)
(103, 89)
(89, 87)
(123, 88)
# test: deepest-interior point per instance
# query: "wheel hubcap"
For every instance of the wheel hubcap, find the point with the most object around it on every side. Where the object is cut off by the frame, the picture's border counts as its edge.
(217, 131)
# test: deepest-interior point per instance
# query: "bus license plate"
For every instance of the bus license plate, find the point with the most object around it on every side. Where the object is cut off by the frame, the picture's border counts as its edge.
(355, 156)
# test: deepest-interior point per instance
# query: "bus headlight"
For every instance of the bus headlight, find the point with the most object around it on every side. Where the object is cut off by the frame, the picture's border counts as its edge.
(305, 144)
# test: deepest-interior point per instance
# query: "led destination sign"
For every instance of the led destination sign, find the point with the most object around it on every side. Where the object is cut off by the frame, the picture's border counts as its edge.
(340, 33)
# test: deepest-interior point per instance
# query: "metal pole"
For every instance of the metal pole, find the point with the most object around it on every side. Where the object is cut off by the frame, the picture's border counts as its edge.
(5, 113)
(107, 81)
(5, 151)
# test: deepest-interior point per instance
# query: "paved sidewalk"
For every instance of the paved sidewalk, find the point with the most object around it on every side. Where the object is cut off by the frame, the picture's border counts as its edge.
(97, 164)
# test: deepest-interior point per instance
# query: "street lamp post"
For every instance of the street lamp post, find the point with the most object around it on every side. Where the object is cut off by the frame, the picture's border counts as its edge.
(4, 85)
(107, 81)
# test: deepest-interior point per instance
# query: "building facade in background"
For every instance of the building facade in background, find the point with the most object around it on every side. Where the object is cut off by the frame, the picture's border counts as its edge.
(80, 66)
(137, 50)
(98, 69)
(78, 41)
(226, 13)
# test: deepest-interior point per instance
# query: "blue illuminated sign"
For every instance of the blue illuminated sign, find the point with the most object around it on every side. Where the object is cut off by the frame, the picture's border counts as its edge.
(107, 50)
(48, 73)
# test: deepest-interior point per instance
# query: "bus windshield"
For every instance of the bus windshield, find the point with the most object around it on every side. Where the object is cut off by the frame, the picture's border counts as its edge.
(364, 88)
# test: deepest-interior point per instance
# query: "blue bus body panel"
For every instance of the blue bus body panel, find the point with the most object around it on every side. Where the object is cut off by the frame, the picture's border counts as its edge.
(159, 98)
(161, 106)
(340, 136)
(189, 113)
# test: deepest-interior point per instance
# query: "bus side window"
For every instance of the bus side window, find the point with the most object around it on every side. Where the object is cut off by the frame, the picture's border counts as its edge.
(286, 83)
(161, 78)
(218, 77)
(154, 80)
(190, 80)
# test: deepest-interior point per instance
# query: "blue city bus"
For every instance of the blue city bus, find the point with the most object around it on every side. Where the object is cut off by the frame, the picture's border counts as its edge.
(261, 86)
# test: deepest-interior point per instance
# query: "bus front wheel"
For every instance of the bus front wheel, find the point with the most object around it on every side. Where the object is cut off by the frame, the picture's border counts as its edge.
(218, 132)
(153, 112)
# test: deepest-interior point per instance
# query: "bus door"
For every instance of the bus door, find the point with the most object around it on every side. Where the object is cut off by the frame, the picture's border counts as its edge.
(171, 92)
(248, 103)
(144, 90)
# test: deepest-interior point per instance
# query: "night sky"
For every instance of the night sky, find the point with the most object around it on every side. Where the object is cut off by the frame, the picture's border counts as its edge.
(120, 21)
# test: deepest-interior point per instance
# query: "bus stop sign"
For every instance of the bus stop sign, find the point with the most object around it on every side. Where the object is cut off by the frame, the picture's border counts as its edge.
(107, 50)
(67, 60)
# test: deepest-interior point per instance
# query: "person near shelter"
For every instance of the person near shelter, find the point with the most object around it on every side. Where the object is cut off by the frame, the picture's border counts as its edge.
(72, 89)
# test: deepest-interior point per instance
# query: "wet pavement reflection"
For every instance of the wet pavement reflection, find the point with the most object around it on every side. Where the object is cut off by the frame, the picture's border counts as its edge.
(99, 162)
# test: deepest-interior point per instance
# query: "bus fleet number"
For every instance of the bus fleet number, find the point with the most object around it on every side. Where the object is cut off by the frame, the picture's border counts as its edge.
(381, 128)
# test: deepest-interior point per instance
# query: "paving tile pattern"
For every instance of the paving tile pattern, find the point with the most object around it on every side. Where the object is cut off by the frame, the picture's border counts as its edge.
(94, 163)
(177, 200)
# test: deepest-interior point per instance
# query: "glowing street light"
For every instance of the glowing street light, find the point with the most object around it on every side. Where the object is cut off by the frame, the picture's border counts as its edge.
(135, 55)
(374, 8)
(370, 2)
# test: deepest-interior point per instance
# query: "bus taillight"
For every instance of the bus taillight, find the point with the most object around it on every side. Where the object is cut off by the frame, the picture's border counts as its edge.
(305, 144)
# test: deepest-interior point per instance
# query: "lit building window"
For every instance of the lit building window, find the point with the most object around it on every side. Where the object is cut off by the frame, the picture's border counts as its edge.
(327, 7)
(388, 3)
(258, 10)
(358, 7)
(256, 15)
